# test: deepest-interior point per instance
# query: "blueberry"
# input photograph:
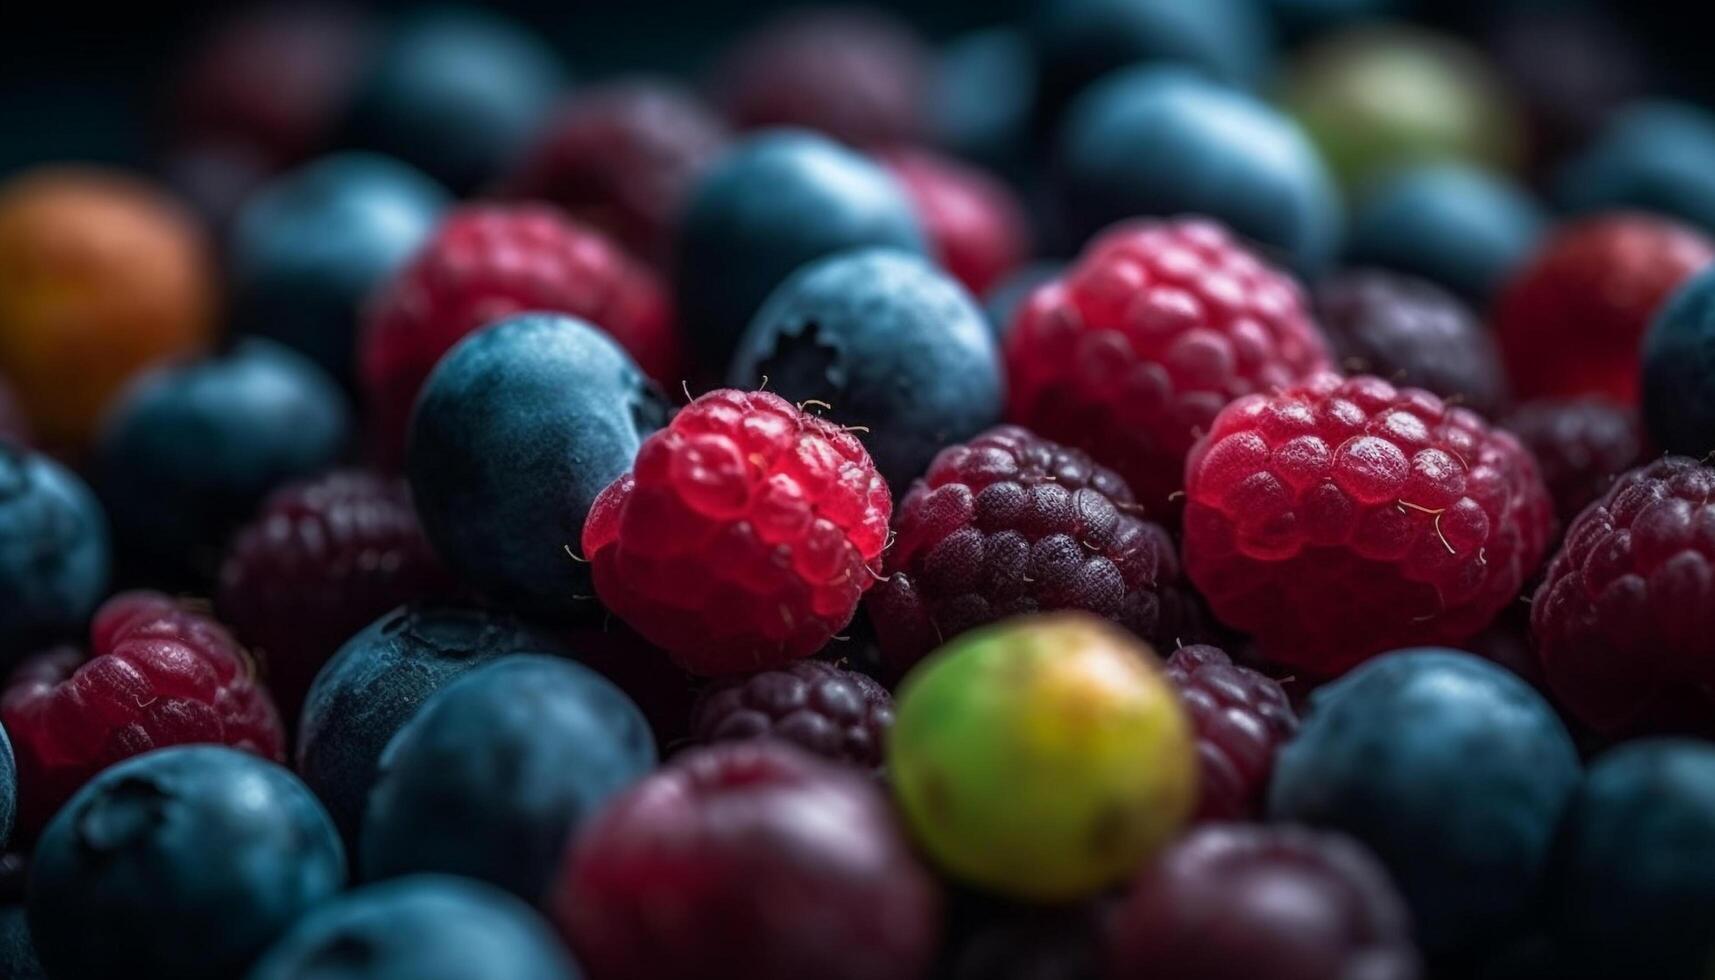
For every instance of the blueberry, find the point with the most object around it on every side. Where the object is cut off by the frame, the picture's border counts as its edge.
(1459, 226)
(54, 551)
(498, 769)
(888, 341)
(1657, 156)
(1635, 873)
(1451, 769)
(192, 449)
(1164, 142)
(1679, 370)
(374, 685)
(8, 788)
(310, 246)
(516, 431)
(984, 99)
(772, 203)
(180, 864)
(17, 953)
(1004, 298)
(425, 927)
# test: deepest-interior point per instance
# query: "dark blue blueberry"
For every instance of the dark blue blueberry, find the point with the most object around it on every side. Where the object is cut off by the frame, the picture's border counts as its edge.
(1164, 142)
(515, 433)
(1451, 769)
(1004, 298)
(985, 98)
(1458, 226)
(17, 953)
(54, 552)
(180, 864)
(8, 789)
(1634, 883)
(374, 685)
(455, 91)
(498, 769)
(1679, 370)
(774, 202)
(425, 927)
(891, 343)
(1656, 156)
(308, 249)
(191, 450)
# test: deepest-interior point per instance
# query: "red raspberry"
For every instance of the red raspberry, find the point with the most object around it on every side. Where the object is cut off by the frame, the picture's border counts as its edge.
(323, 559)
(1241, 718)
(1134, 349)
(1625, 620)
(486, 262)
(620, 158)
(1344, 517)
(838, 714)
(1571, 321)
(157, 674)
(976, 228)
(1011, 523)
(1581, 446)
(744, 536)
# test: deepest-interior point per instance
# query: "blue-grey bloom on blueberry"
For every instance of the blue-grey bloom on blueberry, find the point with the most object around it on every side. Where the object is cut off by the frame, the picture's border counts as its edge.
(54, 552)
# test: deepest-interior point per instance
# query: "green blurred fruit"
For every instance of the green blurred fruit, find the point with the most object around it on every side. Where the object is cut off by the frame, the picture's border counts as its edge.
(1044, 758)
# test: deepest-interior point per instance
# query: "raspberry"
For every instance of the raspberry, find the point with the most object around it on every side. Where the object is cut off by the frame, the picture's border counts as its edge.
(1571, 321)
(744, 536)
(621, 158)
(976, 228)
(487, 262)
(1241, 717)
(1011, 523)
(837, 714)
(323, 559)
(1625, 619)
(1158, 325)
(1414, 333)
(1580, 445)
(156, 674)
(1344, 517)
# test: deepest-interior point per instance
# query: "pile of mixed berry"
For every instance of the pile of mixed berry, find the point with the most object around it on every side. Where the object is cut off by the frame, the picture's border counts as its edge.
(1153, 490)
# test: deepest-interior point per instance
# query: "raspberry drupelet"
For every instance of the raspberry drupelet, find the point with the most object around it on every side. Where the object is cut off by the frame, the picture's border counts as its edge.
(1241, 717)
(1581, 446)
(976, 228)
(156, 674)
(1341, 518)
(1010, 523)
(485, 263)
(838, 714)
(1131, 353)
(744, 536)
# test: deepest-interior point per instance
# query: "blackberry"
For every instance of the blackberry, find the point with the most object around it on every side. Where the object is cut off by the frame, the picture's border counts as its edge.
(837, 714)
(1241, 717)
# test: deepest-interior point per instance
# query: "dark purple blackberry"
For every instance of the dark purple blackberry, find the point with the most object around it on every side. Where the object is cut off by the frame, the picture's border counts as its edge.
(321, 561)
(1413, 333)
(1580, 445)
(837, 714)
(1011, 523)
(1241, 717)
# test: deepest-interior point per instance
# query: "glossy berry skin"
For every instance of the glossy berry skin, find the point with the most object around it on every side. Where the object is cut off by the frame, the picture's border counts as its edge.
(155, 674)
(1042, 758)
(424, 927)
(1144, 140)
(1131, 353)
(124, 881)
(309, 247)
(621, 157)
(1241, 718)
(1351, 494)
(769, 204)
(320, 561)
(54, 552)
(1451, 769)
(1009, 524)
(977, 230)
(564, 405)
(498, 770)
(1657, 155)
(835, 713)
(892, 344)
(1233, 901)
(1413, 333)
(8, 791)
(779, 866)
(1678, 393)
(374, 685)
(490, 262)
(1571, 321)
(1581, 446)
(1635, 869)
(1622, 621)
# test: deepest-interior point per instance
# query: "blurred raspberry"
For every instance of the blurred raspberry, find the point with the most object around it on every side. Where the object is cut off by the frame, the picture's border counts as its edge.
(977, 229)
(840, 715)
(1241, 718)
(1581, 446)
